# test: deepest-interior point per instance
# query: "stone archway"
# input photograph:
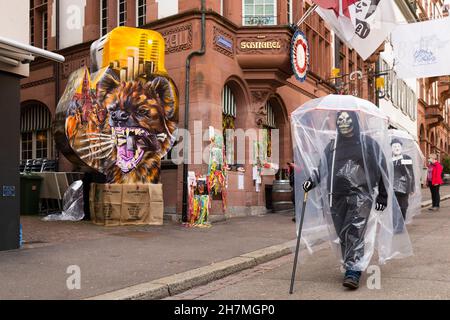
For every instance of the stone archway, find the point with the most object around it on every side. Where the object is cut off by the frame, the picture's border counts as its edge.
(36, 140)
(236, 90)
(283, 126)
(423, 140)
(432, 143)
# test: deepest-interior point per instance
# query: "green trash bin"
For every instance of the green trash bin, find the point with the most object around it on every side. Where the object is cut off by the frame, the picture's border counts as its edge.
(30, 189)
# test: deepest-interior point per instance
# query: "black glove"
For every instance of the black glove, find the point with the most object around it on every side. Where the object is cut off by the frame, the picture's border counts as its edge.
(308, 185)
(380, 203)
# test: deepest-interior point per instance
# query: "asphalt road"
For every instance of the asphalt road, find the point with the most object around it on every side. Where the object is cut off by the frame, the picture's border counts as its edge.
(425, 275)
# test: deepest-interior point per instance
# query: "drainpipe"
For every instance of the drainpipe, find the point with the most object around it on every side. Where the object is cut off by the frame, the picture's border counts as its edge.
(57, 69)
(186, 152)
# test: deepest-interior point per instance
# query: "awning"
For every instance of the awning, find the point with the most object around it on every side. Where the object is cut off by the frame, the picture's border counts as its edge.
(14, 54)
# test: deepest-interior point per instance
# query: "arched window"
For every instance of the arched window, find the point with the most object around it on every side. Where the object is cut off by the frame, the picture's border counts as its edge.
(268, 125)
(35, 133)
(228, 122)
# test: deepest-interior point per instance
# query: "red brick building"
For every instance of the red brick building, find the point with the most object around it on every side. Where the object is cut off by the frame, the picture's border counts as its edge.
(257, 82)
(433, 124)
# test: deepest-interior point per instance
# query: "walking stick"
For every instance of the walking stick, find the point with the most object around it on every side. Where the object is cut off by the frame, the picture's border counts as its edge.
(294, 268)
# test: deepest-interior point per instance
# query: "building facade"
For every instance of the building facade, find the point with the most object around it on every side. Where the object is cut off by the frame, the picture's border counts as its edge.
(398, 98)
(433, 94)
(243, 77)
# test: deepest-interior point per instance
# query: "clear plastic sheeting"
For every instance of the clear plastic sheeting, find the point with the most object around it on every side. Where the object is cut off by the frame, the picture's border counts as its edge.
(342, 149)
(72, 204)
(408, 162)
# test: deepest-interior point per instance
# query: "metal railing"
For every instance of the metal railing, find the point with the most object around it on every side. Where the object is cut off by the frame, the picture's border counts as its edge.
(254, 20)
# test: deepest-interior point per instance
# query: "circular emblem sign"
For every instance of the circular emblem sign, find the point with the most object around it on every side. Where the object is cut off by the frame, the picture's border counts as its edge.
(300, 55)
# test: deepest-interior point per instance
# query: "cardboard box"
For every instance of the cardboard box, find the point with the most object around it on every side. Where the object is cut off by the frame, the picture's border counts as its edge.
(134, 204)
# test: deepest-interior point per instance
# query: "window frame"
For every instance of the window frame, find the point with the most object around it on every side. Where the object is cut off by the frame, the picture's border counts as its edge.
(290, 11)
(144, 4)
(34, 148)
(103, 17)
(44, 30)
(274, 16)
(118, 13)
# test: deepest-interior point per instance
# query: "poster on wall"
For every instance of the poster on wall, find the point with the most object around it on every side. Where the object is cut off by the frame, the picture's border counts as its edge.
(120, 117)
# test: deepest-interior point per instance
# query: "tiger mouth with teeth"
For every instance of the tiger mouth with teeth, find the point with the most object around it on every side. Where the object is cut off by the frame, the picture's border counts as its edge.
(131, 145)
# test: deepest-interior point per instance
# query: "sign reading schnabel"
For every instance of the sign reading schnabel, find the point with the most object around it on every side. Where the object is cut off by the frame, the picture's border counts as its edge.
(271, 44)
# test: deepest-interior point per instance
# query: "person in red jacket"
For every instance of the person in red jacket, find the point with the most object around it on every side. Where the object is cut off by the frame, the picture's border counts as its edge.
(434, 180)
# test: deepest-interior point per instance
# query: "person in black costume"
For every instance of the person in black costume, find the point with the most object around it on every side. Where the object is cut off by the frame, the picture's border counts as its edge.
(354, 163)
(404, 183)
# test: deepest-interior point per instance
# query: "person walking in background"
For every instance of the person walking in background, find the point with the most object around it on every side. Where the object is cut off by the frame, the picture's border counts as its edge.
(434, 180)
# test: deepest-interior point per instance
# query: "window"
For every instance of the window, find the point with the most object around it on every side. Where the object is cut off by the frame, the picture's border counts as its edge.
(394, 90)
(259, 12)
(41, 144)
(103, 17)
(45, 30)
(32, 23)
(122, 12)
(290, 18)
(35, 123)
(141, 10)
(387, 79)
(268, 126)
(27, 146)
(228, 122)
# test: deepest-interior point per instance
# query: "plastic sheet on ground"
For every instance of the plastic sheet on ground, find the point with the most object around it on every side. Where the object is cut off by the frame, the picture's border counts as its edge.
(72, 204)
(341, 145)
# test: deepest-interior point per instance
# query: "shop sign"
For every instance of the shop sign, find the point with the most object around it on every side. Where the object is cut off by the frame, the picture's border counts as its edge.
(260, 45)
(300, 55)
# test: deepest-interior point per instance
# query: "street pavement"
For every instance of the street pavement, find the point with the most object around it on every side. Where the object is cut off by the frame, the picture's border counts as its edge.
(117, 258)
(426, 275)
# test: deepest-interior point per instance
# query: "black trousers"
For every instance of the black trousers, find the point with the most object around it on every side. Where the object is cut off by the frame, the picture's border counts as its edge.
(435, 196)
(350, 215)
(403, 202)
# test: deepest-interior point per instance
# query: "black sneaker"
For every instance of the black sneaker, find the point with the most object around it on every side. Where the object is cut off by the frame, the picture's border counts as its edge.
(351, 279)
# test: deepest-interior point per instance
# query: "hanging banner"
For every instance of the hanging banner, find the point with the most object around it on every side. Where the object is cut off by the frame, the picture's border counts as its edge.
(342, 9)
(422, 49)
(372, 22)
(300, 55)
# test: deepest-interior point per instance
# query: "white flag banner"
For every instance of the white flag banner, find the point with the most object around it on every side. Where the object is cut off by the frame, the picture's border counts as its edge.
(370, 24)
(422, 49)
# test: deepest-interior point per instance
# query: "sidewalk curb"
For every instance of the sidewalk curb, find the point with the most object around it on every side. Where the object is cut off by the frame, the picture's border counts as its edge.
(177, 283)
(428, 203)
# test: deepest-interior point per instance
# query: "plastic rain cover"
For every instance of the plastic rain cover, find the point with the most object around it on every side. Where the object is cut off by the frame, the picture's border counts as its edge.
(408, 162)
(73, 209)
(341, 145)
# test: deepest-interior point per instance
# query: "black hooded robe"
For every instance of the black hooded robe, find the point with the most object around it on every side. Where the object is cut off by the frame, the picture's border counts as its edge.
(352, 176)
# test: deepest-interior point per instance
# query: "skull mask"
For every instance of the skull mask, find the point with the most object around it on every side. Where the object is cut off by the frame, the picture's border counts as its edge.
(396, 149)
(345, 124)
